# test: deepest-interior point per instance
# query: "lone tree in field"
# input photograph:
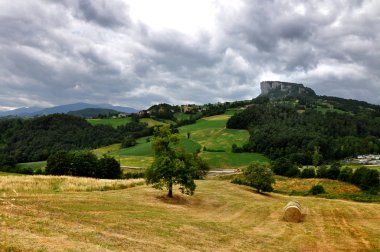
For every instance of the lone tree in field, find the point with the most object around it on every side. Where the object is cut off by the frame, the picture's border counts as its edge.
(259, 176)
(171, 164)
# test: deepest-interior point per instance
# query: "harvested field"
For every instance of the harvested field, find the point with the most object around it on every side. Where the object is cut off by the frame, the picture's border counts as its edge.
(220, 217)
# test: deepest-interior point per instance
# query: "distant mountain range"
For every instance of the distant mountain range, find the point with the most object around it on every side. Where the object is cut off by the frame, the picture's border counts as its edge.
(63, 109)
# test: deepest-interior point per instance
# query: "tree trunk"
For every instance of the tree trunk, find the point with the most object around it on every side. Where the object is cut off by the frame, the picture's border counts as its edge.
(170, 193)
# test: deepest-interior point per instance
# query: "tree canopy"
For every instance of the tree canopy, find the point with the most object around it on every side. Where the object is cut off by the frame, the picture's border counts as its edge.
(310, 133)
(171, 164)
(259, 176)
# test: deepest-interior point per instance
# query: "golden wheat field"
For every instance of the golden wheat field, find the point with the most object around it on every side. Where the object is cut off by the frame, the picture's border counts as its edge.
(220, 217)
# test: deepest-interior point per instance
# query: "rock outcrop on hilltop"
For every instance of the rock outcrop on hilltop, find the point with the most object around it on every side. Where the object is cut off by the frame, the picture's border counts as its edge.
(279, 89)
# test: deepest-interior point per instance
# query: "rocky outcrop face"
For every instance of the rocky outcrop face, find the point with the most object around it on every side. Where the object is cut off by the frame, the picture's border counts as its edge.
(279, 89)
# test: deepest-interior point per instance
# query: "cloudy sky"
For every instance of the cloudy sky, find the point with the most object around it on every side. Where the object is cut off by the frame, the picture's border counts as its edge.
(141, 52)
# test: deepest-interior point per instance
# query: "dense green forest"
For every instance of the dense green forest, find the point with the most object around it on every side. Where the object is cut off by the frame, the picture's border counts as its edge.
(307, 130)
(27, 140)
(94, 113)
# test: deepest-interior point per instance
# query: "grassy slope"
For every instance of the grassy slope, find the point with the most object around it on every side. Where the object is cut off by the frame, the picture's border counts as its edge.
(232, 160)
(114, 122)
(212, 133)
(33, 165)
(220, 217)
(209, 132)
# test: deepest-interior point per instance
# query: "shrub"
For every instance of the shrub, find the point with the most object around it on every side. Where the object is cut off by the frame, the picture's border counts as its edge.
(308, 173)
(317, 189)
(345, 174)
(59, 164)
(358, 175)
(293, 172)
(281, 166)
(25, 170)
(236, 149)
(108, 167)
(83, 163)
(322, 171)
(370, 181)
(334, 171)
(128, 141)
(202, 167)
(133, 175)
(239, 181)
(367, 179)
(38, 171)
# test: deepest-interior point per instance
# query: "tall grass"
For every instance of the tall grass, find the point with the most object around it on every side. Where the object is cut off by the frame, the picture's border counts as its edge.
(46, 184)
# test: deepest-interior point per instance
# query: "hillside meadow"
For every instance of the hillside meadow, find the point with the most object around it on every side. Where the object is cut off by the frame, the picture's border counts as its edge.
(220, 217)
(208, 135)
(114, 122)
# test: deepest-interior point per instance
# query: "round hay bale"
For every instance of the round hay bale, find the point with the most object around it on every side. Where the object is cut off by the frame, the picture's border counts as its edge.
(293, 212)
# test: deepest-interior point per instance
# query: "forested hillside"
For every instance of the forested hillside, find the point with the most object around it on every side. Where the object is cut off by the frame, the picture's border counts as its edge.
(25, 140)
(310, 128)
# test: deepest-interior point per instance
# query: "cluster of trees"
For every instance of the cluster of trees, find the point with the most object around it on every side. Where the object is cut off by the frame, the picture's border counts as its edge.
(366, 178)
(167, 112)
(28, 140)
(163, 111)
(94, 113)
(261, 175)
(83, 164)
(277, 129)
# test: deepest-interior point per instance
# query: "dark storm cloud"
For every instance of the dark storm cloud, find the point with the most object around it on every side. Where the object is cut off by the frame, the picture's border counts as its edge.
(57, 52)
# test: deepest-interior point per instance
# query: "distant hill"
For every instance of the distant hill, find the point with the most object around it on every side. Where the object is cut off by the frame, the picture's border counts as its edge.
(306, 97)
(24, 111)
(93, 112)
(63, 109)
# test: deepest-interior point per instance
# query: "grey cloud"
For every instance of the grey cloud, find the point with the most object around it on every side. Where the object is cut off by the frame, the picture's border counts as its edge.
(57, 52)
(105, 13)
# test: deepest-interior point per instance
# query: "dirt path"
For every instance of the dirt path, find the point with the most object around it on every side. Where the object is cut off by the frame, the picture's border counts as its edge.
(220, 172)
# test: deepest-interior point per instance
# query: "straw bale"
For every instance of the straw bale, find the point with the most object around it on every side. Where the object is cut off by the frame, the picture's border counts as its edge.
(293, 212)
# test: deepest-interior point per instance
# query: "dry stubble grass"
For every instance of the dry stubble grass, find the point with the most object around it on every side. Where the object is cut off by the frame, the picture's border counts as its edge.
(303, 185)
(220, 217)
(48, 184)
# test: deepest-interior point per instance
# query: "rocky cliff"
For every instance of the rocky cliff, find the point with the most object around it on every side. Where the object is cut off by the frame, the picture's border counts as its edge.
(279, 89)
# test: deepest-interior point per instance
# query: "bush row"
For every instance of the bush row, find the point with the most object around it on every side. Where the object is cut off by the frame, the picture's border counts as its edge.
(367, 179)
(83, 164)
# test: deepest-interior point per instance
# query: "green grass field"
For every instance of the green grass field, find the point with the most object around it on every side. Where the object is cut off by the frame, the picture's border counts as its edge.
(33, 165)
(325, 110)
(209, 132)
(219, 217)
(114, 122)
(151, 122)
(212, 133)
(141, 155)
(231, 160)
(375, 167)
(107, 149)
